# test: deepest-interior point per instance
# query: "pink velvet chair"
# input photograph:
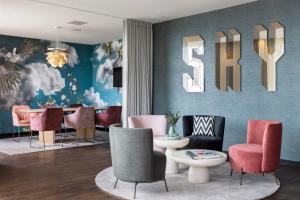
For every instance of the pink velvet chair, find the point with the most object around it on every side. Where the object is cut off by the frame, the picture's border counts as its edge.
(112, 115)
(261, 154)
(158, 124)
(49, 120)
(20, 119)
(82, 118)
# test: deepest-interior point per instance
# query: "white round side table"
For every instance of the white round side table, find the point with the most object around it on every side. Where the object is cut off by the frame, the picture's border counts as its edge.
(198, 170)
(171, 145)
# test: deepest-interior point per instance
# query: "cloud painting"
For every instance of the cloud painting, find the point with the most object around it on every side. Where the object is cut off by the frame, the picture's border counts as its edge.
(36, 77)
(93, 98)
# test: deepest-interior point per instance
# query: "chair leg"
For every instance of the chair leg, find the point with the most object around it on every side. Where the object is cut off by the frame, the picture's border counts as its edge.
(61, 138)
(242, 174)
(30, 137)
(76, 137)
(115, 185)
(135, 189)
(66, 132)
(85, 134)
(231, 171)
(276, 179)
(44, 140)
(263, 174)
(13, 129)
(166, 185)
(19, 134)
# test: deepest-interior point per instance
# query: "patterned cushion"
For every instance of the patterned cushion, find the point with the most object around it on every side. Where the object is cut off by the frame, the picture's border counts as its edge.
(203, 125)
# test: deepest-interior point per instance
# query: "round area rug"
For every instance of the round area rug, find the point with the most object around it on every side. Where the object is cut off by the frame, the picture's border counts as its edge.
(221, 186)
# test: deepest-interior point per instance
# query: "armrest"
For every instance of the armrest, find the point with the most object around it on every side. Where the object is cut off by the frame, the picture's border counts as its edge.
(272, 147)
(219, 127)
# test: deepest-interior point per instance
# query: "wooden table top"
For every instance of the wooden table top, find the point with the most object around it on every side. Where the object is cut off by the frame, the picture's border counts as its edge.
(40, 110)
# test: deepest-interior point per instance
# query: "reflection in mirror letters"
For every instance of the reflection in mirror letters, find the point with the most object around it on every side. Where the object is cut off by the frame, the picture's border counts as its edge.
(228, 53)
(193, 45)
(270, 50)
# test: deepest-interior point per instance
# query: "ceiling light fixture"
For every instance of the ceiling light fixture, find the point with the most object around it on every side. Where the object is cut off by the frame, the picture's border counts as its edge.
(57, 56)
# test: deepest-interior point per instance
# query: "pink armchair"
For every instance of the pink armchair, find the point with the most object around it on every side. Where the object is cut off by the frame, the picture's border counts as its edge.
(82, 118)
(112, 115)
(20, 119)
(158, 123)
(261, 154)
(49, 120)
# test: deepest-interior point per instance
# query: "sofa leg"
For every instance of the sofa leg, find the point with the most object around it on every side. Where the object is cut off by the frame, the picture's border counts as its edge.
(276, 179)
(115, 185)
(135, 189)
(231, 171)
(166, 185)
(242, 174)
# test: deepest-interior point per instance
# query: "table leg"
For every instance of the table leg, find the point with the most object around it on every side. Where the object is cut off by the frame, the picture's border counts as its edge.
(172, 166)
(49, 137)
(85, 132)
(198, 175)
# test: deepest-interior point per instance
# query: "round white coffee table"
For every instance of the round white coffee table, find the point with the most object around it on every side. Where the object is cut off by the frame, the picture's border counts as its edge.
(198, 170)
(171, 146)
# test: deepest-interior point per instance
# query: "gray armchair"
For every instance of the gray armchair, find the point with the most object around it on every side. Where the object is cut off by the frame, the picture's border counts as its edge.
(133, 158)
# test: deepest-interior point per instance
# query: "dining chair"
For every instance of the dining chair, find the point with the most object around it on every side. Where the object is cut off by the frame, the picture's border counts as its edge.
(76, 105)
(49, 120)
(112, 115)
(20, 119)
(82, 118)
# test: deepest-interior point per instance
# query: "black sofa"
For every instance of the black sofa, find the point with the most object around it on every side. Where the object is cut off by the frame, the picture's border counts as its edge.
(204, 142)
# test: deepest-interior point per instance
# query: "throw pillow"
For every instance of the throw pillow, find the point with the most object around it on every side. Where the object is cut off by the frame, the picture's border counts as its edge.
(203, 125)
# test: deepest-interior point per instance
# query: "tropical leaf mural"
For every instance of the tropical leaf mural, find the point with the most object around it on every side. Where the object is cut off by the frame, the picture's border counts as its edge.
(11, 64)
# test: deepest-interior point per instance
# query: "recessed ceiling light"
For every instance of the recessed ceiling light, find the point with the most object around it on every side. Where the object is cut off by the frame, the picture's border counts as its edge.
(76, 29)
(78, 23)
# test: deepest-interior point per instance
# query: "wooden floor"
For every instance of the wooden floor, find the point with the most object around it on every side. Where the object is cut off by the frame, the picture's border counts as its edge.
(70, 174)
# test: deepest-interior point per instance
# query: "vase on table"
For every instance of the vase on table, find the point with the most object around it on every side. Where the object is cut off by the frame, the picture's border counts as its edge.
(172, 131)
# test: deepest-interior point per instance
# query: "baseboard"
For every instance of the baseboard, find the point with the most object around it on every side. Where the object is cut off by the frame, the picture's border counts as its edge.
(290, 163)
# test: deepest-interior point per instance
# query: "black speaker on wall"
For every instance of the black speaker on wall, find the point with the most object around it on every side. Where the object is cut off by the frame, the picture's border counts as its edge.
(117, 77)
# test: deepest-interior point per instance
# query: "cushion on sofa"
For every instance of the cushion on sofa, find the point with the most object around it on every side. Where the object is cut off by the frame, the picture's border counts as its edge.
(203, 125)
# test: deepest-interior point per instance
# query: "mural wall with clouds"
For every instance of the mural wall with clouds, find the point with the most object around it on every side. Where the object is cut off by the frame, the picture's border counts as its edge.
(105, 57)
(26, 78)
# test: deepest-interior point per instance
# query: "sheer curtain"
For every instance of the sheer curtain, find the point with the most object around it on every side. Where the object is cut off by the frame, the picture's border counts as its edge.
(137, 69)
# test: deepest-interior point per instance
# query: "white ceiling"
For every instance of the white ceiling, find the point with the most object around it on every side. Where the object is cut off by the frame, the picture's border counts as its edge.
(36, 18)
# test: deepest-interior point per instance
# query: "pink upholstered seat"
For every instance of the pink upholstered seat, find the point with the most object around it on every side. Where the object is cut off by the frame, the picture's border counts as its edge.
(158, 123)
(83, 117)
(261, 154)
(49, 120)
(111, 115)
(19, 118)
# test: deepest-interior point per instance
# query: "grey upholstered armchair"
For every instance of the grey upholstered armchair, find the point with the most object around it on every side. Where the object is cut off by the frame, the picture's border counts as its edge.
(133, 158)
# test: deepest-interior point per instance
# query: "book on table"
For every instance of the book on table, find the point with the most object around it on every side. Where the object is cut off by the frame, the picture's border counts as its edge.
(202, 154)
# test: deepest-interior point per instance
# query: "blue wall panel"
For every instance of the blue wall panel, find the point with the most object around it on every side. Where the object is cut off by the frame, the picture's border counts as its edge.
(253, 102)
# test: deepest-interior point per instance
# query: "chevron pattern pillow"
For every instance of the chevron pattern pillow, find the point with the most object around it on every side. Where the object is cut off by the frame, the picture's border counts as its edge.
(203, 125)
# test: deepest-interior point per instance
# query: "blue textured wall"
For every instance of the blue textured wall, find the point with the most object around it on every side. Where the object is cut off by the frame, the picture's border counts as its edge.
(253, 101)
